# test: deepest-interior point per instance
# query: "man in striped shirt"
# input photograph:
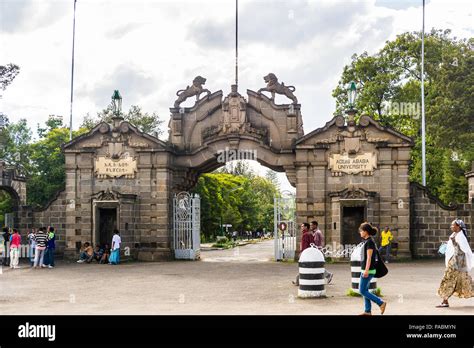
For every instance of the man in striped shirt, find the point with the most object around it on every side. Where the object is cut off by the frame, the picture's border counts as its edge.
(41, 239)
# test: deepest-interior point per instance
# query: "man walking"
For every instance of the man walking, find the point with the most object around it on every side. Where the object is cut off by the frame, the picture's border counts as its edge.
(319, 242)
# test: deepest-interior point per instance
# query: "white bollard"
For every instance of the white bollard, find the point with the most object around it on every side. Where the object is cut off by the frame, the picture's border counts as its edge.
(355, 270)
(311, 273)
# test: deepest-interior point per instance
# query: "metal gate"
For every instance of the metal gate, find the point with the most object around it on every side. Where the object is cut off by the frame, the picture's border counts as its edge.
(9, 218)
(187, 226)
(284, 230)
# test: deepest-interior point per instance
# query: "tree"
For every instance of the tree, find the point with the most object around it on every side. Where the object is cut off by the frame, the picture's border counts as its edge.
(272, 177)
(145, 122)
(7, 75)
(390, 83)
(242, 201)
(47, 158)
(16, 151)
(238, 167)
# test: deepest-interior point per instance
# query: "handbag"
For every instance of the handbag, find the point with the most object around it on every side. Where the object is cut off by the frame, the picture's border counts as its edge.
(380, 269)
(442, 248)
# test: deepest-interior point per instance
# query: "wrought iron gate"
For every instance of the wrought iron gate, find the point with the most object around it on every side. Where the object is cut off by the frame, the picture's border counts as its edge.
(9, 219)
(284, 230)
(187, 226)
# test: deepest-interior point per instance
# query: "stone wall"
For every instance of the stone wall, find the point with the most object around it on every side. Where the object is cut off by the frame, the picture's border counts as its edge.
(52, 214)
(431, 220)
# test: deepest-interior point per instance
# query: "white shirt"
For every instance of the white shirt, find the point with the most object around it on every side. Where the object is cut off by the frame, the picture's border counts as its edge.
(116, 241)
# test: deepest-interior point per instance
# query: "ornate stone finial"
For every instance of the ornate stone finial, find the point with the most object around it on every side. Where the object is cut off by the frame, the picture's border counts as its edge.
(194, 90)
(273, 86)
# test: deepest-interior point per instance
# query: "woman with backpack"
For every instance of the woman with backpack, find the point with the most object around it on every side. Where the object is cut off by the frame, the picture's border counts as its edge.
(459, 262)
(368, 268)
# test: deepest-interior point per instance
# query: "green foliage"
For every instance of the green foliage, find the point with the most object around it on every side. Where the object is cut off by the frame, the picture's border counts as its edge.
(6, 206)
(145, 122)
(16, 138)
(47, 158)
(391, 79)
(244, 202)
(7, 75)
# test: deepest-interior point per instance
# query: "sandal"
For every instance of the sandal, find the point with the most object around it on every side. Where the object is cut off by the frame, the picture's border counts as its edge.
(382, 307)
(442, 305)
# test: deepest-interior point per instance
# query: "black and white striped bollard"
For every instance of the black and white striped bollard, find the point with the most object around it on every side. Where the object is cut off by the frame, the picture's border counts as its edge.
(311, 273)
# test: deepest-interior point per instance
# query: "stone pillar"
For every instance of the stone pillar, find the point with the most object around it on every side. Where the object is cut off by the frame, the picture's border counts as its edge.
(71, 198)
(470, 183)
(403, 212)
(301, 201)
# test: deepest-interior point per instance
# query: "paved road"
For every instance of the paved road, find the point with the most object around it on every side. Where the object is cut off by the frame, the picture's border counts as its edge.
(258, 252)
(239, 284)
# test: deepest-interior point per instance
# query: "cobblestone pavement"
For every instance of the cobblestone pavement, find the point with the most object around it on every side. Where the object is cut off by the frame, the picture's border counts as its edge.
(243, 281)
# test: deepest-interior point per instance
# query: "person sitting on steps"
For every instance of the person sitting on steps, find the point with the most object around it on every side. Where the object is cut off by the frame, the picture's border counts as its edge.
(87, 253)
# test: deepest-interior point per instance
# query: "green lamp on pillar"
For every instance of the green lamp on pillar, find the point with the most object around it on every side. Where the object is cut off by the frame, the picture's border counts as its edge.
(351, 98)
(117, 103)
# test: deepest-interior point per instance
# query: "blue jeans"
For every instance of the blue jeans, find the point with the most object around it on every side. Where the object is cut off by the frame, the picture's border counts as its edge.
(49, 257)
(32, 253)
(387, 248)
(368, 296)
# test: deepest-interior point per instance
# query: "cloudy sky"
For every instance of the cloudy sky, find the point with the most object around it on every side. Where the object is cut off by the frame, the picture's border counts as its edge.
(148, 49)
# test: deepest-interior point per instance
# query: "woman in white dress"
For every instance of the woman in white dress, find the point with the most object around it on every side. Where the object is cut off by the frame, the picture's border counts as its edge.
(459, 262)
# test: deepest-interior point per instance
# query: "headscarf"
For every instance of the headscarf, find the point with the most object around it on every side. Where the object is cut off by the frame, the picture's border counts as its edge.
(461, 240)
(461, 225)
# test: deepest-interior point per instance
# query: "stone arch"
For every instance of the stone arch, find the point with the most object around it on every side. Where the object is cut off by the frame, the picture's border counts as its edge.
(215, 126)
(14, 185)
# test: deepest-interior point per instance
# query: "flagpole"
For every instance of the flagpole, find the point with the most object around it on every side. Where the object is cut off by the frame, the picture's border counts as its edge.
(236, 43)
(423, 136)
(72, 70)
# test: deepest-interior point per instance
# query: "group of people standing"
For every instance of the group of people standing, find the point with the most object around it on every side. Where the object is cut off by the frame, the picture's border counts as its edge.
(40, 248)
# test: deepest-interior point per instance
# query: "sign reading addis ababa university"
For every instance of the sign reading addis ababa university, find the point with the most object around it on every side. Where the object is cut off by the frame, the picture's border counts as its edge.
(108, 167)
(343, 163)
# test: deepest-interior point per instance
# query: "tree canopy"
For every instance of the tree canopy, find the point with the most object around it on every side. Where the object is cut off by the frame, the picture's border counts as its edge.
(242, 200)
(145, 122)
(7, 75)
(390, 91)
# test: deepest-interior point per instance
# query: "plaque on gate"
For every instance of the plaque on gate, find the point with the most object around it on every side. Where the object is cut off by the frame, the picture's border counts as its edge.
(343, 163)
(115, 168)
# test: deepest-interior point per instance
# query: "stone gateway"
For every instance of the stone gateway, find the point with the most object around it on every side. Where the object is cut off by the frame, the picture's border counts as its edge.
(344, 173)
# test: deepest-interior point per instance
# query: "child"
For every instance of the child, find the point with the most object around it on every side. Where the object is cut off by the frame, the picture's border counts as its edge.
(106, 254)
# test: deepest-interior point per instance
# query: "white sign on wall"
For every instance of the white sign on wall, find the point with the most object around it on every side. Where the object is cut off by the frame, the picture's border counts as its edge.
(344, 163)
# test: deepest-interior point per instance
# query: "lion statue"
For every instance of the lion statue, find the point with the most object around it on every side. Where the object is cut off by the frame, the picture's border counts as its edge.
(195, 89)
(273, 86)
